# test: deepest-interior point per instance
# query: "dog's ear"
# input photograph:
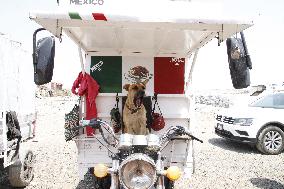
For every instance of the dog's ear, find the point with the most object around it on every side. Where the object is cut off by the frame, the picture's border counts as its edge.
(145, 82)
(126, 86)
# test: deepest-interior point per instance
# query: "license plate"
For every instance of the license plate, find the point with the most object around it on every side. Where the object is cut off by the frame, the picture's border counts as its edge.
(219, 126)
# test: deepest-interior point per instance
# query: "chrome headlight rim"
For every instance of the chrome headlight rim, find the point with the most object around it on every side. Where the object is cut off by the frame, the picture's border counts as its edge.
(138, 156)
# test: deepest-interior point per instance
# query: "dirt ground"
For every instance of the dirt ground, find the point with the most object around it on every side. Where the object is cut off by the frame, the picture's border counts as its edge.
(219, 163)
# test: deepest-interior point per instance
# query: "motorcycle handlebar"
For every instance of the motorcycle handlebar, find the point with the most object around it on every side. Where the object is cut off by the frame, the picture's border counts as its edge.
(186, 132)
(194, 138)
(98, 124)
(94, 123)
(84, 123)
(177, 131)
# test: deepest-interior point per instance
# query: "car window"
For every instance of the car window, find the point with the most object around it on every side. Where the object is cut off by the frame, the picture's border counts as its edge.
(270, 101)
(278, 100)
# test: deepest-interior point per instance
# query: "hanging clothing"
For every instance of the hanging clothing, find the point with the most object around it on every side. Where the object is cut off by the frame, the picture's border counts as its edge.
(86, 85)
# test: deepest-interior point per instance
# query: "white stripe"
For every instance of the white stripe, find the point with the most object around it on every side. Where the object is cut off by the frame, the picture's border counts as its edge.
(46, 15)
(86, 16)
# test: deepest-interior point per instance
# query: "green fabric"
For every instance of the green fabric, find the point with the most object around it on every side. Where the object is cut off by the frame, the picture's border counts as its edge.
(75, 15)
(108, 74)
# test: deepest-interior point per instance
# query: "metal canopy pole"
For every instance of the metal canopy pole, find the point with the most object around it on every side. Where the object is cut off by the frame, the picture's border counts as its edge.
(192, 66)
(191, 121)
(82, 103)
(81, 60)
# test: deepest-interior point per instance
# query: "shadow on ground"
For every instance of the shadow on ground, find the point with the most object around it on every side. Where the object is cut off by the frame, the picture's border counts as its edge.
(90, 181)
(266, 183)
(233, 146)
(4, 181)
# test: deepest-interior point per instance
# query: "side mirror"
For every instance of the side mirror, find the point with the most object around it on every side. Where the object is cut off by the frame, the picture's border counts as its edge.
(239, 62)
(43, 58)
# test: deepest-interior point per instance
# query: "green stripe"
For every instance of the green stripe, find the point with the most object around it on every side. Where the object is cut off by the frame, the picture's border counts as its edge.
(109, 77)
(75, 15)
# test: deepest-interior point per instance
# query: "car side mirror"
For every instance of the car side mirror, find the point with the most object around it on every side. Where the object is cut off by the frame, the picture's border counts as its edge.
(43, 58)
(239, 62)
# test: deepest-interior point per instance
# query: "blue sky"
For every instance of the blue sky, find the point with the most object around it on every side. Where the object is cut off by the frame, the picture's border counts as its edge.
(264, 39)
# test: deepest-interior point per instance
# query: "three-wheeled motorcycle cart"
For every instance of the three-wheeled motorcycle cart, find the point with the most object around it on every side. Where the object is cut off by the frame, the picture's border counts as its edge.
(123, 45)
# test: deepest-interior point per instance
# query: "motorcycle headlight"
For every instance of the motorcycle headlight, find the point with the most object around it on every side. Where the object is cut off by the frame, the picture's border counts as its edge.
(243, 121)
(138, 171)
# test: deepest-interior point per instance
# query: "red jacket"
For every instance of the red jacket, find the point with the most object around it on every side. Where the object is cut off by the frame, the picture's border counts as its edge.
(86, 85)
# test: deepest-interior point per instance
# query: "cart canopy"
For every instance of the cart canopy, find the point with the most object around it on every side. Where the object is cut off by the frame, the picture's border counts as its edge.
(145, 32)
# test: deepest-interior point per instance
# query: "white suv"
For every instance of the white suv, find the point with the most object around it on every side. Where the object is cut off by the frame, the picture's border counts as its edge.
(261, 123)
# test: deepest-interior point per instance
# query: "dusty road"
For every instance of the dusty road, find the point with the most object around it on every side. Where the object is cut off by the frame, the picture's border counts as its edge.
(219, 163)
(225, 164)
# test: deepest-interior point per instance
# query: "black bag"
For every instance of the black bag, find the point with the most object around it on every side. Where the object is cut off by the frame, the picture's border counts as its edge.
(45, 52)
(116, 117)
(71, 123)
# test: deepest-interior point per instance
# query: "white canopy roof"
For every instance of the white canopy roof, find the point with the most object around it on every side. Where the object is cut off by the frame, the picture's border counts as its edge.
(159, 34)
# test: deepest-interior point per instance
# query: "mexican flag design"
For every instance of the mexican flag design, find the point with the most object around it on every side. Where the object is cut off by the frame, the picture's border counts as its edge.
(165, 75)
(169, 75)
(107, 71)
(138, 69)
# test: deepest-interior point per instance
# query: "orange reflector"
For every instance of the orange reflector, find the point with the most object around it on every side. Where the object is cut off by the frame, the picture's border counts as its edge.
(100, 170)
(173, 173)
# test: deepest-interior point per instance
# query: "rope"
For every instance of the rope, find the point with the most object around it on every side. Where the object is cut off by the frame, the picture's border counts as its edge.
(117, 100)
(155, 97)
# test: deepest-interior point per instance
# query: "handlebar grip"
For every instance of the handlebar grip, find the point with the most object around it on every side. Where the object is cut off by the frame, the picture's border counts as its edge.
(94, 123)
(84, 122)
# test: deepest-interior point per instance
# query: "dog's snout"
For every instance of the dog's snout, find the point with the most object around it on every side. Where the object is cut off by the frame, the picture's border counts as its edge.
(141, 92)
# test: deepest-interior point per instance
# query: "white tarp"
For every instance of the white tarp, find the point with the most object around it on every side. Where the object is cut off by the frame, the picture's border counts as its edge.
(151, 28)
(147, 10)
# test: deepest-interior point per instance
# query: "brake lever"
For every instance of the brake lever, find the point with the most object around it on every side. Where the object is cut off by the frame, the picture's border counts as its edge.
(194, 138)
(97, 124)
(186, 132)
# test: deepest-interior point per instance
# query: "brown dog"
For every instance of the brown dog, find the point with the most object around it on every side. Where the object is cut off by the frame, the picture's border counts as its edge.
(134, 112)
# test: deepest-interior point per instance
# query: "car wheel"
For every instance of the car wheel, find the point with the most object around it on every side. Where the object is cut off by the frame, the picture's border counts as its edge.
(270, 140)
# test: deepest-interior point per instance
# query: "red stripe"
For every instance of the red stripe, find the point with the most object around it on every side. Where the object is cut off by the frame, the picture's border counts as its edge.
(99, 16)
